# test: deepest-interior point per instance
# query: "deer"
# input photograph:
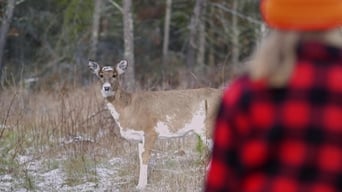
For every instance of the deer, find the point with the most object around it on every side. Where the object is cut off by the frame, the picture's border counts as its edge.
(150, 115)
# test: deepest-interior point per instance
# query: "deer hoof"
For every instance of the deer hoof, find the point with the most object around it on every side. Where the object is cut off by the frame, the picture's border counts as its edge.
(140, 187)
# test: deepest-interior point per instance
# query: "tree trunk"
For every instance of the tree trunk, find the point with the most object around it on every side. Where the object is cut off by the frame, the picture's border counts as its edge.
(95, 29)
(235, 36)
(193, 27)
(211, 35)
(3, 33)
(166, 34)
(129, 44)
(202, 35)
(193, 38)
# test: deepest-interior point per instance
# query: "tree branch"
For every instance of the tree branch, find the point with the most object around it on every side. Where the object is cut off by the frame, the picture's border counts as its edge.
(234, 12)
(116, 5)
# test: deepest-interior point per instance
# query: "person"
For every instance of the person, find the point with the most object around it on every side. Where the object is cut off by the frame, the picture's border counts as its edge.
(279, 125)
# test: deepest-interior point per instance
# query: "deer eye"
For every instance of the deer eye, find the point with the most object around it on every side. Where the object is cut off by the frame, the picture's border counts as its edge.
(101, 76)
(114, 76)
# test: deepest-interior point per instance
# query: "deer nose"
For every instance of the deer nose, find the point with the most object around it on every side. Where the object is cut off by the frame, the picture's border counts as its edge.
(106, 86)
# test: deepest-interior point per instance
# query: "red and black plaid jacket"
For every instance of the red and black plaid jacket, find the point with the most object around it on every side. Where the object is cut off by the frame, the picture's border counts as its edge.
(282, 139)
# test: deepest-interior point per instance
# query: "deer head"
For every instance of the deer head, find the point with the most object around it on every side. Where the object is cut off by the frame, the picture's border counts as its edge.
(109, 76)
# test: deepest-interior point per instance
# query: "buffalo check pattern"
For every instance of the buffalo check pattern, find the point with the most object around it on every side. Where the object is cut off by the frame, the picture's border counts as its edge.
(282, 139)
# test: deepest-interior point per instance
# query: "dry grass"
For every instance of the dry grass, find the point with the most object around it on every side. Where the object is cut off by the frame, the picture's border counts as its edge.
(70, 130)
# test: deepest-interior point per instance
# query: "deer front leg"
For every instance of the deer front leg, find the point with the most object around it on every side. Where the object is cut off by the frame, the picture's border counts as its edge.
(143, 167)
(144, 149)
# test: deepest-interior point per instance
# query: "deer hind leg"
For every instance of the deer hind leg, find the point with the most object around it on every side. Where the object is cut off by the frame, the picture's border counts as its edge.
(144, 149)
(205, 134)
(209, 131)
(209, 127)
(206, 142)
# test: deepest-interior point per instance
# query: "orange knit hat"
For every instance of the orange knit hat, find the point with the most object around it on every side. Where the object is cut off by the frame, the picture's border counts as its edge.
(302, 15)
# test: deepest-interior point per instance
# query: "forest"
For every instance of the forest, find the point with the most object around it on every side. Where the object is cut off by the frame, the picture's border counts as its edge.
(55, 132)
(168, 43)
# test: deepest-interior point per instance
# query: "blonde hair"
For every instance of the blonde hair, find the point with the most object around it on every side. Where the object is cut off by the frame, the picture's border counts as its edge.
(274, 59)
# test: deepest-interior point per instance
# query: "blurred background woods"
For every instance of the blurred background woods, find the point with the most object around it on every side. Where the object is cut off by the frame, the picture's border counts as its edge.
(55, 133)
(168, 43)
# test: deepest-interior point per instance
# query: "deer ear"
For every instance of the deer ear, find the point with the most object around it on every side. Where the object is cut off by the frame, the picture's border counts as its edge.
(121, 67)
(94, 67)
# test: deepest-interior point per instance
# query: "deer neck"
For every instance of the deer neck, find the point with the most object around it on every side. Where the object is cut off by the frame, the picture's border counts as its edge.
(121, 99)
(117, 103)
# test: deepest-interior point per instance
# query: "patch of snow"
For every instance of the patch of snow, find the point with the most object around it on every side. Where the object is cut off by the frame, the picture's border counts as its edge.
(22, 159)
(56, 180)
(51, 180)
(5, 180)
(76, 138)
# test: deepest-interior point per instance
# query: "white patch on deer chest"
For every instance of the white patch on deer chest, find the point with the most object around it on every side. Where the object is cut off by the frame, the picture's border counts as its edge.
(196, 124)
(113, 111)
(127, 133)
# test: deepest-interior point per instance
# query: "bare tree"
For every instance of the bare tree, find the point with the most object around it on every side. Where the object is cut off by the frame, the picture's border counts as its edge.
(211, 25)
(166, 33)
(129, 43)
(6, 20)
(193, 27)
(235, 35)
(95, 29)
(202, 36)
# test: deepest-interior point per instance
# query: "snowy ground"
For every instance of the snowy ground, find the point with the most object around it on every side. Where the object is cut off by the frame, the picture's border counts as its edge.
(168, 171)
(54, 179)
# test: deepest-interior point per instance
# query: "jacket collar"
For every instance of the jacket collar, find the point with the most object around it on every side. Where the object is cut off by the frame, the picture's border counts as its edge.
(318, 51)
